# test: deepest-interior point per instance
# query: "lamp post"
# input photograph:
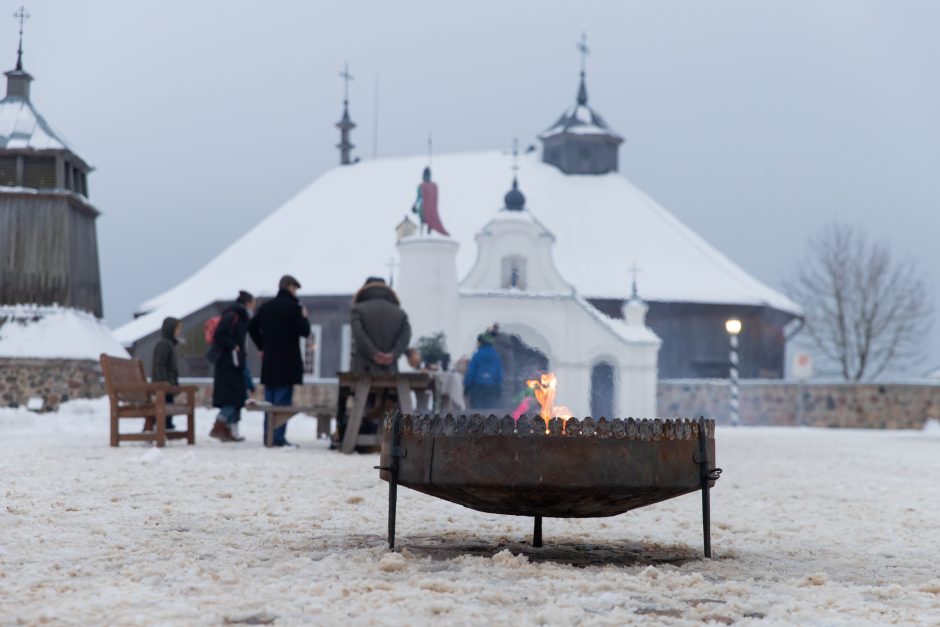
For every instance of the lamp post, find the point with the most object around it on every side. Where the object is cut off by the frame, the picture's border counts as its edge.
(733, 327)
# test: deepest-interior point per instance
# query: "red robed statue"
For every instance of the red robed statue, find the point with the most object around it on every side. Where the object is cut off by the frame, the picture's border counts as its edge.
(426, 204)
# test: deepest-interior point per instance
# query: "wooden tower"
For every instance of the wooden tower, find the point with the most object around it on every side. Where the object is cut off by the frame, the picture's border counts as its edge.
(48, 240)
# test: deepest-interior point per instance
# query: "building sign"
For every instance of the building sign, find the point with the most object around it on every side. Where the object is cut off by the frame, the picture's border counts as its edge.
(802, 366)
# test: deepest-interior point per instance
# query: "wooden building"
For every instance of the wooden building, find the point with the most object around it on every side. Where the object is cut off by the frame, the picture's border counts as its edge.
(48, 240)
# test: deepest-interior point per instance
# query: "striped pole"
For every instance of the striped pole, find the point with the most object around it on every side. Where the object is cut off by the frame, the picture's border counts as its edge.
(735, 405)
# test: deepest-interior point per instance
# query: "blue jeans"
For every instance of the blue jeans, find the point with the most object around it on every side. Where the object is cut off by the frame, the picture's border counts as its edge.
(230, 414)
(278, 395)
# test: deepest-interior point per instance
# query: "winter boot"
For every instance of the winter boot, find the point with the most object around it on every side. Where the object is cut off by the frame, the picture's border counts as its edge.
(220, 431)
(233, 431)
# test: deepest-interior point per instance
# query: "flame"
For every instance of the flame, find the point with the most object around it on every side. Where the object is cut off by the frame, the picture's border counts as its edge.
(544, 388)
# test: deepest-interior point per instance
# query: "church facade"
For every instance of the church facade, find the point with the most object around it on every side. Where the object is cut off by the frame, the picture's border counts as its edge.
(340, 230)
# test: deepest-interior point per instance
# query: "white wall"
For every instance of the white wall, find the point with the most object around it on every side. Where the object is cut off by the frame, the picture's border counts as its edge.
(427, 285)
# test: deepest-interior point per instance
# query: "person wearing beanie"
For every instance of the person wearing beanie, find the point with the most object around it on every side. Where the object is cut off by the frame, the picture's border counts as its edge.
(483, 382)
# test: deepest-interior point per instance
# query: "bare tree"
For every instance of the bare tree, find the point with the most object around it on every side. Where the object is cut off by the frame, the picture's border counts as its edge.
(865, 311)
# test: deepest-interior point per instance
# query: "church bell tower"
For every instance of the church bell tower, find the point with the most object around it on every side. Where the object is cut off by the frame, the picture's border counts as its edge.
(48, 239)
(580, 142)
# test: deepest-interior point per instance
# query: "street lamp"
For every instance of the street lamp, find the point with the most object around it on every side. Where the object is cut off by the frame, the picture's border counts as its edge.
(733, 327)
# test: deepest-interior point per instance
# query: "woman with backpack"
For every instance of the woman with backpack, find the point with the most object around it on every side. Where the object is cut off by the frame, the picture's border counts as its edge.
(230, 389)
(483, 382)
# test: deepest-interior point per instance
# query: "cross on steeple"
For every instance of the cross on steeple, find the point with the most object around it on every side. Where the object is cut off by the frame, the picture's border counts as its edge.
(22, 16)
(515, 156)
(634, 270)
(391, 265)
(345, 125)
(585, 51)
(346, 76)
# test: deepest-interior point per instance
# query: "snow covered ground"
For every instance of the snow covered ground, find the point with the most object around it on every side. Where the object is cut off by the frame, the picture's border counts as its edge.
(809, 527)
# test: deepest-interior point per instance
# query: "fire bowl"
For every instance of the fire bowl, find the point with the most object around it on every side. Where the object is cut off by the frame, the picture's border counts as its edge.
(577, 469)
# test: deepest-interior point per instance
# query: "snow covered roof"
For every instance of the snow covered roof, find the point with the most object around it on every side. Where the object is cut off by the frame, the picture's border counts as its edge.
(54, 333)
(21, 126)
(341, 229)
(581, 120)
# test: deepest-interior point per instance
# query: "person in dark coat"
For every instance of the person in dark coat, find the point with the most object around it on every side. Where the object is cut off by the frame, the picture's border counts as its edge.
(380, 329)
(380, 335)
(483, 382)
(276, 331)
(230, 389)
(165, 368)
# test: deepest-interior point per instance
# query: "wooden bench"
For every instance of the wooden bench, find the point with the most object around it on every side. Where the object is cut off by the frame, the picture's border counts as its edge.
(133, 397)
(362, 384)
(277, 416)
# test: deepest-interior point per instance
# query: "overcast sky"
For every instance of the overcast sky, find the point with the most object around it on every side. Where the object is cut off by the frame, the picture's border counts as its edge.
(754, 122)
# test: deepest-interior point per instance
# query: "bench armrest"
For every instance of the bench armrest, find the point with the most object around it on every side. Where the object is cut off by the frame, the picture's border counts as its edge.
(141, 387)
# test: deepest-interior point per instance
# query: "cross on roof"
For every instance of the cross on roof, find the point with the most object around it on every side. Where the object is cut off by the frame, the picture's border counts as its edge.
(584, 50)
(346, 76)
(634, 270)
(391, 265)
(515, 155)
(22, 16)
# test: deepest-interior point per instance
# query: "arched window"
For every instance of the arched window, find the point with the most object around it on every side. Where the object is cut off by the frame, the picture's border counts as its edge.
(602, 390)
(515, 275)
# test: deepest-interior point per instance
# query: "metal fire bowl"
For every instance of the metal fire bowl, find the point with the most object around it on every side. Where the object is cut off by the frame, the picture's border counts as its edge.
(593, 468)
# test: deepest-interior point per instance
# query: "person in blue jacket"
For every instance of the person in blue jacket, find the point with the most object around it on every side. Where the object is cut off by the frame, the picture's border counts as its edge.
(483, 383)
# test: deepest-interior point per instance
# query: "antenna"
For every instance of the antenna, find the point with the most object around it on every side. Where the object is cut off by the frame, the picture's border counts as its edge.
(22, 16)
(375, 120)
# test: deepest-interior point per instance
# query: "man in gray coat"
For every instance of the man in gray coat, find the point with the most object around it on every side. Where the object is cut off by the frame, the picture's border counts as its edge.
(380, 329)
(380, 335)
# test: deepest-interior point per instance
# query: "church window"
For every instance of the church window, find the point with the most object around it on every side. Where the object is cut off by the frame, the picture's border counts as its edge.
(345, 348)
(514, 275)
(39, 172)
(310, 349)
(602, 390)
(8, 171)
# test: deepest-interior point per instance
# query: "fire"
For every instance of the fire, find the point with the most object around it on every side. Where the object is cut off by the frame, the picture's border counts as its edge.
(544, 388)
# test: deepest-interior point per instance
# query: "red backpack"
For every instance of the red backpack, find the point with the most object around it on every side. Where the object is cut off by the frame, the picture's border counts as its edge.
(209, 328)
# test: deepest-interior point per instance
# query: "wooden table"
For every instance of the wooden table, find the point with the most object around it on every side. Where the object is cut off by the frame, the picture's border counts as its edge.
(277, 416)
(362, 384)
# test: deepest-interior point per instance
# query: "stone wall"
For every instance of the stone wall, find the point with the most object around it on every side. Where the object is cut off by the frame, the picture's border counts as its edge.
(53, 380)
(824, 404)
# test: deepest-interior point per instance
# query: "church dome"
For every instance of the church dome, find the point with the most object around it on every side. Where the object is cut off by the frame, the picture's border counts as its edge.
(514, 200)
(580, 141)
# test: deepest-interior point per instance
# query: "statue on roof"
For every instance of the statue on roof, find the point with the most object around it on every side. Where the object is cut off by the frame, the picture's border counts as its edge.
(426, 205)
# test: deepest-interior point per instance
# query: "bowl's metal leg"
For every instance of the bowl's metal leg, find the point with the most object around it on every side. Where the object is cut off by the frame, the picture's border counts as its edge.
(537, 532)
(395, 453)
(708, 474)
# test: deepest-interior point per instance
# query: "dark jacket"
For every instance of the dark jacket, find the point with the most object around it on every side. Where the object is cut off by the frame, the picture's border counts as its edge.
(229, 386)
(165, 367)
(379, 325)
(484, 370)
(276, 330)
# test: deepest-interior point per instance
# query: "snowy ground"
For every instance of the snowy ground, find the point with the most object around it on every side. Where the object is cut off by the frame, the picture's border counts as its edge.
(810, 527)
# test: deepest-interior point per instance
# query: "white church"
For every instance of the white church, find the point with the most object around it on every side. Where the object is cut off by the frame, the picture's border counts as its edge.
(550, 261)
